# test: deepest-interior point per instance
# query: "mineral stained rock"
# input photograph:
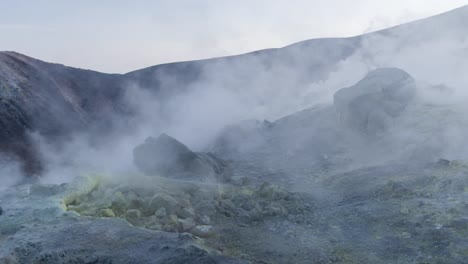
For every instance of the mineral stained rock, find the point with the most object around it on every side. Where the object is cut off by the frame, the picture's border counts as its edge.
(165, 156)
(36, 230)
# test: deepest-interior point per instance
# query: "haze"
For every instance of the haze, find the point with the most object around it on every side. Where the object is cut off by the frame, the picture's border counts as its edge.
(121, 36)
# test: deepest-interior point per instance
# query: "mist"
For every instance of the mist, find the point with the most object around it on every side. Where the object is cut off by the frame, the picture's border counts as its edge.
(230, 91)
(10, 172)
(330, 150)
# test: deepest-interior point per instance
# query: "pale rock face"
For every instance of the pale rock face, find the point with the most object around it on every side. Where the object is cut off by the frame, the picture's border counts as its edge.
(370, 105)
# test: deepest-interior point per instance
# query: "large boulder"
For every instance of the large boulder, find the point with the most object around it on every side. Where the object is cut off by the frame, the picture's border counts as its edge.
(167, 157)
(370, 105)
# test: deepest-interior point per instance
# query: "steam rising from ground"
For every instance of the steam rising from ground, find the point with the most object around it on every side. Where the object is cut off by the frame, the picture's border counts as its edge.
(10, 172)
(227, 94)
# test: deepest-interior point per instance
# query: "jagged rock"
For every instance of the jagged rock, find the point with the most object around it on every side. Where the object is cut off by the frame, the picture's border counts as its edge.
(205, 220)
(172, 223)
(165, 156)
(161, 200)
(371, 104)
(274, 209)
(155, 226)
(118, 200)
(133, 213)
(202, 231)
(106, 213)
(160, 213)
(136, 203)
(187, 224)
(186, 212)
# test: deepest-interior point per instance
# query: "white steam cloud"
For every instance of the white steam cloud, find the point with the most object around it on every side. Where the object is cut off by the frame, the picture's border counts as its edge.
(247, 88)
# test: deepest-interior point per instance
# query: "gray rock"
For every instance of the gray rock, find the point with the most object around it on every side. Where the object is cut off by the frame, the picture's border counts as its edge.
(160, 213)
(165, 156)
(370, 105)
(187, 224)
(133, 213)
(154, 226)
(161, 200)
(202, 231)
(106, 213)
(205, 220)
(186, 212)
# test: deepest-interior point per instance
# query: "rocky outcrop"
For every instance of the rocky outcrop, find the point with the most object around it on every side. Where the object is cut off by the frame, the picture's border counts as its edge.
(370, 105)
(53, 100)
(165, 156)
(376, 120)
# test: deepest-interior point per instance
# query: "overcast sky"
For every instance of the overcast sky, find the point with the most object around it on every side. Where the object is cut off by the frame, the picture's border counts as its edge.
(120, 36)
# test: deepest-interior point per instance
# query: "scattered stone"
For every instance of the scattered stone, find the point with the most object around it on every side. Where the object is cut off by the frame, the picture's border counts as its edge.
(163, 200)
(186, 212)
(76, 208)
(394, 189)
(172, 219)
(106, 213)
(172, 224)
(202, 231)
(274, 209)
(271, 192)
(205, 220)
(133, 213)
(160, 213)
(459, 224)
(226, 207)
(136, 203)
(155, 226)
(187, 224)
(183, 202)
(256, 214)
(118, 200)
(404, 210)
(170, 228)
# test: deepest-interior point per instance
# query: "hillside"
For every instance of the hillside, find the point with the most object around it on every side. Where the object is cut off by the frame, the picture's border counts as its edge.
(340, 150)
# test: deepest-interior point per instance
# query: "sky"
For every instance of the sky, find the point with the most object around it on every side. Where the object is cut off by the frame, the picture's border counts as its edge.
(118, 36)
